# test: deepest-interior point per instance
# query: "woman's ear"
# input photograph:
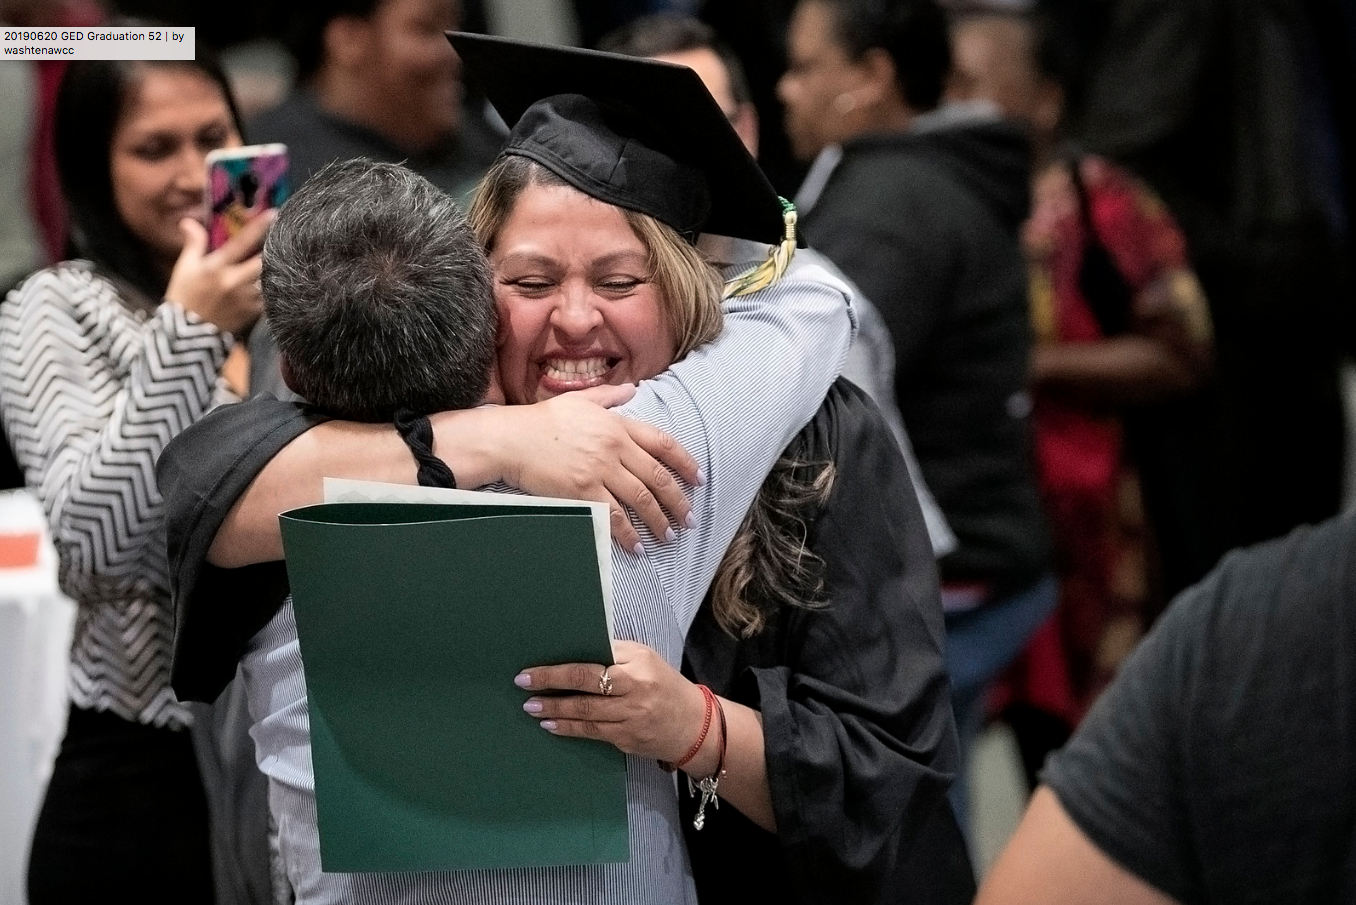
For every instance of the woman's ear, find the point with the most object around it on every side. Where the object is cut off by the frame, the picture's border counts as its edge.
(879, 82)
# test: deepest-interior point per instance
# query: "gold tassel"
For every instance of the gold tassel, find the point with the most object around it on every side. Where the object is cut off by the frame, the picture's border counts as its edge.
(771, 270)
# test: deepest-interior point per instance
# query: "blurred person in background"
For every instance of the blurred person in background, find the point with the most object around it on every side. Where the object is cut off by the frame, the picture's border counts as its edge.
(102, 360)
(378, 80)
(921, 207)
(1239, 114)
(45, 202)
(599, 18)
(1120, 324)
(755, 30)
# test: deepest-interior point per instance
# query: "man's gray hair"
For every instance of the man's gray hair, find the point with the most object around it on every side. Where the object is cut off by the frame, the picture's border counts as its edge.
(378, 295)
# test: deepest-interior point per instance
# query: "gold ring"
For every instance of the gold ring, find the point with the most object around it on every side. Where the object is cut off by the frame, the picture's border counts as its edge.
(605, 682)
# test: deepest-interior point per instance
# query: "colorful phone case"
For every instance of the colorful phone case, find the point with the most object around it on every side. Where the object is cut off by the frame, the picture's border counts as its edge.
(241, 186)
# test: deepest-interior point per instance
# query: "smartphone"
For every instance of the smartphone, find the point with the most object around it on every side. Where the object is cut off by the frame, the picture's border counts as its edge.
(241, 184)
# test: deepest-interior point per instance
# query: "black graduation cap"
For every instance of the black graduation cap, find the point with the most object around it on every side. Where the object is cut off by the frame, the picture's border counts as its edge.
(637, 133)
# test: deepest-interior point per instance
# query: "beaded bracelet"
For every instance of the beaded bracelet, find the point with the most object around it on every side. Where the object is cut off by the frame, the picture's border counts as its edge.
(711, 704)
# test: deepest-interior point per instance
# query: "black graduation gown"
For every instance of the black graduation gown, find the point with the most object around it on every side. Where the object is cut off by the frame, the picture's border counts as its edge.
(854, 698)
(857, 720)
(201, 474)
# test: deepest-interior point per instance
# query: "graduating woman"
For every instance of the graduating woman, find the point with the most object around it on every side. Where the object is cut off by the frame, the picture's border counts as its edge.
(598, 282)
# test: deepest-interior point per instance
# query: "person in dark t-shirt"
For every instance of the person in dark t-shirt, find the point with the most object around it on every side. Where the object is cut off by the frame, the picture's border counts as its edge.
(1220, 766)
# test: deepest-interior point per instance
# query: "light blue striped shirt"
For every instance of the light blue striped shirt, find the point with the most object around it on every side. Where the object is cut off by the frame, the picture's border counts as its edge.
(734, 405)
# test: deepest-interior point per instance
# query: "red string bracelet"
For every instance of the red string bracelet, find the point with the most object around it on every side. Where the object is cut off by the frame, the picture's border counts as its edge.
(711, 705)
(720, 761)
(708, 785)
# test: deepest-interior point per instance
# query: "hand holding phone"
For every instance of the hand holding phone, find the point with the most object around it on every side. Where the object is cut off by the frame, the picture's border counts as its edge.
(241, 184)
(221, 286)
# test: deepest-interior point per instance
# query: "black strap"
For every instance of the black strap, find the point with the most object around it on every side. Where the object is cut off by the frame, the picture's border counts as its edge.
(1104, 287)
(417, 432)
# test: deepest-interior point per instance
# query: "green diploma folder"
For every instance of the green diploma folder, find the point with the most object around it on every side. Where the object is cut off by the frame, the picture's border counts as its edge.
(413, 619)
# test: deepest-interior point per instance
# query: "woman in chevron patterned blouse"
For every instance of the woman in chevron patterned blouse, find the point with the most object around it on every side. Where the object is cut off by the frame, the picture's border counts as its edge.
(103, 359)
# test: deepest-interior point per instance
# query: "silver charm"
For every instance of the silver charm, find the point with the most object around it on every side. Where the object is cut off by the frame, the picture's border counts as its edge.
(707, 787)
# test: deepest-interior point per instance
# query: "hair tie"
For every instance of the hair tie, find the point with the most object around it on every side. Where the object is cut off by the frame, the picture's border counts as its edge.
(417, 432)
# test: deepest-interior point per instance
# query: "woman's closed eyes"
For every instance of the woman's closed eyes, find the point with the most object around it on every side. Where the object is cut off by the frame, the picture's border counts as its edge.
(162, 145)
(612, 286)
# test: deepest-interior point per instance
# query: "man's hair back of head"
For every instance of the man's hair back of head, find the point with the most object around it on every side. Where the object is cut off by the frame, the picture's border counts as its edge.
(660, 34)
(913, 32)
(378, 295)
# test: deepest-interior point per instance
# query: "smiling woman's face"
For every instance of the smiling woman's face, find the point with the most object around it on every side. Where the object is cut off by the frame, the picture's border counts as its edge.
(577, 304)
(158, 158)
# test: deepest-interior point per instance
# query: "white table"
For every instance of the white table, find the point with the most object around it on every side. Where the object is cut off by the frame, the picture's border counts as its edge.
(35, 637)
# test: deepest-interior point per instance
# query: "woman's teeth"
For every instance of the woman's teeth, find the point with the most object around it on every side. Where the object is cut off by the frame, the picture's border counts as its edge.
(575, 368)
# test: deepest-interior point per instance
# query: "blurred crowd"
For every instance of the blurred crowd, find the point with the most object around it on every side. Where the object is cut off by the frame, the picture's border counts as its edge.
(1103, 250)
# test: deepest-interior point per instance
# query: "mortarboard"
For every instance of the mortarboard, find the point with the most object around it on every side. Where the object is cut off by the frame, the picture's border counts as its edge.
(633, 132)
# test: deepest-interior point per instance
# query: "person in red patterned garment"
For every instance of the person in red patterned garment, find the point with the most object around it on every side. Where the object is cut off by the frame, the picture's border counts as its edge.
(1120, 324)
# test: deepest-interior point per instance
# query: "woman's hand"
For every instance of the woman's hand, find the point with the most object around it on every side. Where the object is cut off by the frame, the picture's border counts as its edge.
(222, 286)
(652, 710)
(573, 447)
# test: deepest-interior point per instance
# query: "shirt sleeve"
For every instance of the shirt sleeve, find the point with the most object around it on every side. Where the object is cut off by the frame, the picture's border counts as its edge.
(88, 419)
(1121, 776)
(734, 404)
(1149, 250)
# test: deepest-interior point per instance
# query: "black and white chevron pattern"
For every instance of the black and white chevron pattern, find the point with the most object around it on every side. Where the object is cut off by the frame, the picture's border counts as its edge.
(91, 392)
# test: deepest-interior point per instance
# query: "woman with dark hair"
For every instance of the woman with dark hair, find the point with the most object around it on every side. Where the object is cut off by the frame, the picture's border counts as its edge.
(1122, 345)
(103, 359)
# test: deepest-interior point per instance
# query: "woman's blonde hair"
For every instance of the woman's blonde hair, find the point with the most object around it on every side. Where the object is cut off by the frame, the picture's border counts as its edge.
(769, 564)
(689, 285)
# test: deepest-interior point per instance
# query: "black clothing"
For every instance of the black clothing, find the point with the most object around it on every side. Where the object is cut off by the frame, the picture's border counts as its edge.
(140, 787)
(925, 223)
(217, 611)
(1220, 766)
(1229, 111)
(591, 119)
(315, 138)
(857, 724)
